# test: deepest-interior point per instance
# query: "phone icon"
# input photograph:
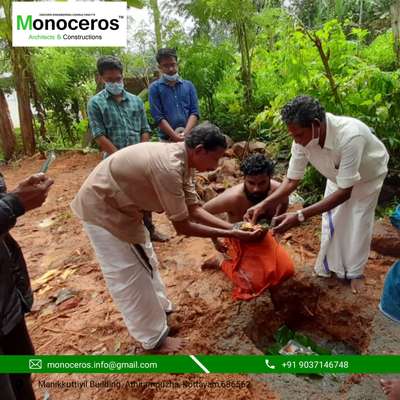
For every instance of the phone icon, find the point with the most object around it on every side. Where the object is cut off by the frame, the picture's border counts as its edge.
(268, 364)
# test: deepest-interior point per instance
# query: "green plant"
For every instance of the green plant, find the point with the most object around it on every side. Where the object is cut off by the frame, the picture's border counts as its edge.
(284, 334)
(312, 186)
(386, 210)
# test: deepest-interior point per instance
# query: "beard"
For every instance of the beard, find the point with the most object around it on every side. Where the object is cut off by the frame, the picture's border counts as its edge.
(255, 198)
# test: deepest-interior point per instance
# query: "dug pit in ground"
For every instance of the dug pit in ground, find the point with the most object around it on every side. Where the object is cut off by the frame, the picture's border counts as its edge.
(309, 304)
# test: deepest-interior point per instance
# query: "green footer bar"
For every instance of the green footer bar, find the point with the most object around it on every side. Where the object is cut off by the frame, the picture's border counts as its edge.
(385, 364)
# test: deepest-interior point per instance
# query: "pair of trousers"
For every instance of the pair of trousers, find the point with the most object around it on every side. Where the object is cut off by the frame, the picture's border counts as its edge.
(16, 386)
(133, 280)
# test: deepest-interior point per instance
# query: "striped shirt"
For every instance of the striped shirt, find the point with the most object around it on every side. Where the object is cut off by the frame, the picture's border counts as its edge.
(122, 123)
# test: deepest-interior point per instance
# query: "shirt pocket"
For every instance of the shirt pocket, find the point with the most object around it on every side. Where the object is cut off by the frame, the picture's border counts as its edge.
(112, 120)
(134, 119)
(186, 106)
(185, 100)
(331, 164)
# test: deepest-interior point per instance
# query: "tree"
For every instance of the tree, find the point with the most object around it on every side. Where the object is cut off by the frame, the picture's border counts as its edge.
(66, 90)
(395, 13)
(325, 56)
(19, 58)
(371, 14)
(205, 64)
(153, 4)
(20, 63)
(7, 135)
(238, 16)
(142, 63)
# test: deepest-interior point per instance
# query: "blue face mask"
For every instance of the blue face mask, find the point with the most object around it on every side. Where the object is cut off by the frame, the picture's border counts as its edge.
(171, 78)
(114, 88)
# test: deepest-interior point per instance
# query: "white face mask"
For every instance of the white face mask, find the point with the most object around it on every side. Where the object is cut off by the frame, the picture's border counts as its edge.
(315, 140)
(171, 78)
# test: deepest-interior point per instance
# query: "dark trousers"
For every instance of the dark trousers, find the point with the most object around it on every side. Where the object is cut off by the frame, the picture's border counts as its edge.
(16, 386)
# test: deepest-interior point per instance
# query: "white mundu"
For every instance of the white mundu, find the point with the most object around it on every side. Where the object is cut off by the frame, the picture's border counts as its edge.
(352, 156)
(139, 293)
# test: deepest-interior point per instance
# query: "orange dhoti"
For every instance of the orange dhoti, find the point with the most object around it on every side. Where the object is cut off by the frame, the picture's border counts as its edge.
(254, 267)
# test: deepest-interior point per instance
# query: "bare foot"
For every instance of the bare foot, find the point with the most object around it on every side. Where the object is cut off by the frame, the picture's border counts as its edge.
(213, 262)
(356, 285)
(170, 345)
(391, 388)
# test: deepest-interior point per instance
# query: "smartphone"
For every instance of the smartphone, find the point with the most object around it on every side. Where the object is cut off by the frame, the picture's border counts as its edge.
(51, 156)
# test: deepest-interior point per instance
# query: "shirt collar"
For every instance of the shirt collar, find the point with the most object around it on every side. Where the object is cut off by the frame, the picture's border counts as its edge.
(165, 82)
(330, 132)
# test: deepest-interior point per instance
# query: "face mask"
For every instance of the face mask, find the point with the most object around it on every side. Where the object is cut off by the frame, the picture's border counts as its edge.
(115, 88)
(171, 78)
(314, 141)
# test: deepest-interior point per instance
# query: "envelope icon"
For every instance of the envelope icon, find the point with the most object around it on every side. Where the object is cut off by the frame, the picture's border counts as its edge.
(35, 364)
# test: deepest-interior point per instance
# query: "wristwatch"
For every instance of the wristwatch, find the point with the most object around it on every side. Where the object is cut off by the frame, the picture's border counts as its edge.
(300, 216)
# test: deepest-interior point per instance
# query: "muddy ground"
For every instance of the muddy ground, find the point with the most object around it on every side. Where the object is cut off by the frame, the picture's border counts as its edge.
(59, 257)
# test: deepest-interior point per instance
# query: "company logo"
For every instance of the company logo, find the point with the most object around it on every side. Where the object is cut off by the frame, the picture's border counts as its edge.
(77, 24)
(62, 24)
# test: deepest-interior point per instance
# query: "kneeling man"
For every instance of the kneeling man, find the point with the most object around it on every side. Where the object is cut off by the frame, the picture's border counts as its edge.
(258, 266)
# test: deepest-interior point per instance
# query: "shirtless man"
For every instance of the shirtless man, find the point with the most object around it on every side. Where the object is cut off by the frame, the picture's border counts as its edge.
(258, 185)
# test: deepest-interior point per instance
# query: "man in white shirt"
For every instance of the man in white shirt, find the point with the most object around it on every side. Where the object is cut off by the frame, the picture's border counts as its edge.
(354, 161)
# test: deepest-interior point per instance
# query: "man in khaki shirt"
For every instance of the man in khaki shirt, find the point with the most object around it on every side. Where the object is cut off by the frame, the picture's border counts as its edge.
(148, 177)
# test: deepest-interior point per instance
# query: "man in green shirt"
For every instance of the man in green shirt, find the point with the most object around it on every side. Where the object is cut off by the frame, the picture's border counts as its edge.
(118, 119)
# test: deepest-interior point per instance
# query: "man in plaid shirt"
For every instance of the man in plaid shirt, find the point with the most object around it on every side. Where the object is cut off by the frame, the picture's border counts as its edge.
(118, 119)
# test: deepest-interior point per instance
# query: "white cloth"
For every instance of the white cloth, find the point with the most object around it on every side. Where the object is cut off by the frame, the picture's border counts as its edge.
(351, 154)
(139, 295)
(347, 231)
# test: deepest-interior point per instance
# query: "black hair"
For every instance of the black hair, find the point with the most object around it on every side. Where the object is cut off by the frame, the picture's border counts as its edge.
(257, 164)
(164, 53)
(208, 135)
(107, 63)
(303, 110)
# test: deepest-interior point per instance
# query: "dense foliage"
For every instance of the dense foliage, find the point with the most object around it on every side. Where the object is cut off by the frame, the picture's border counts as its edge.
(246, 59)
